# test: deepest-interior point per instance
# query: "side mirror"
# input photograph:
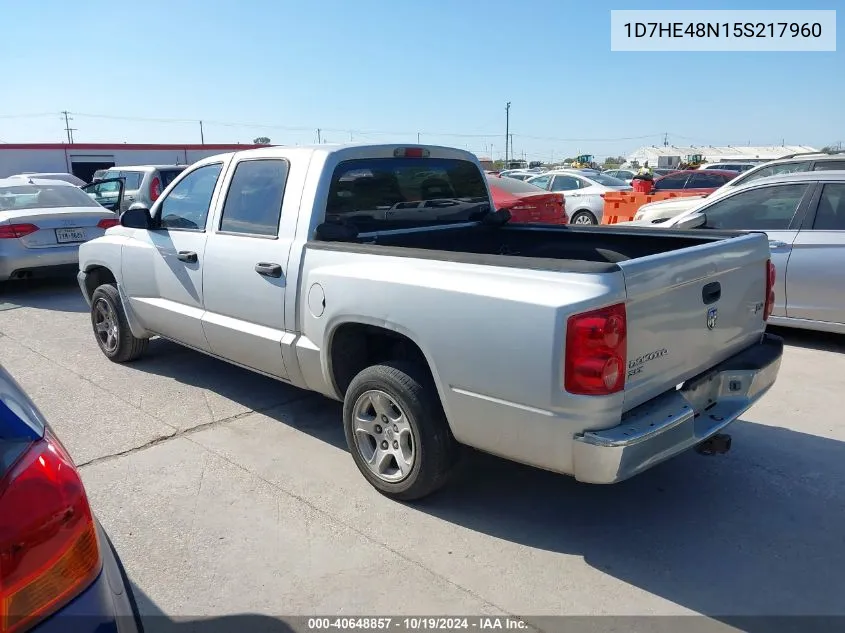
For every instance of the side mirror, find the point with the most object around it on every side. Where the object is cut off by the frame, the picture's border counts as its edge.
(137, 217)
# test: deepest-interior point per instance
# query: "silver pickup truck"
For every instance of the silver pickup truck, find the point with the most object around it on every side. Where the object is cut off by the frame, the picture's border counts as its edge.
(379, 275)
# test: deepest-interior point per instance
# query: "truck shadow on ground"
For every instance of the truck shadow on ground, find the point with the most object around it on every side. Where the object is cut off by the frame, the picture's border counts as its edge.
(809, 339)
(755, 532)
(59, 294)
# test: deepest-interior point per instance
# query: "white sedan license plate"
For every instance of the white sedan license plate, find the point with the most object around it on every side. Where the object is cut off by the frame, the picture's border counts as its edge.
(70, 235)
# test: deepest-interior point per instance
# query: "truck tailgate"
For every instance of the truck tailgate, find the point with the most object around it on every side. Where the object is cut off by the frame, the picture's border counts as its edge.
(690, 309)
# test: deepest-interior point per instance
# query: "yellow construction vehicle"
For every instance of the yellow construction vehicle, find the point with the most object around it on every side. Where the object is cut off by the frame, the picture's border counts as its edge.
(692, 161)
(584, 161)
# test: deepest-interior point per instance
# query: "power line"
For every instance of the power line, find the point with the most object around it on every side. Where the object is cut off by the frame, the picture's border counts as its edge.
(363, 132)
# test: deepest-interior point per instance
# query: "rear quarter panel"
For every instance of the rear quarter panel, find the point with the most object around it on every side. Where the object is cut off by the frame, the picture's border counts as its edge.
(493, 338)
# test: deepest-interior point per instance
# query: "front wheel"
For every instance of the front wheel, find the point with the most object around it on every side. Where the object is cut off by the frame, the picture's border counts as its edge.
(584, 217)
(111, 329)
(397, 431)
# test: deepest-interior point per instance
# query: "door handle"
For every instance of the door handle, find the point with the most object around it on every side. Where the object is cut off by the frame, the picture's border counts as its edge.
(711, 292)
(777, 244)
(268, 269)
(187, 256)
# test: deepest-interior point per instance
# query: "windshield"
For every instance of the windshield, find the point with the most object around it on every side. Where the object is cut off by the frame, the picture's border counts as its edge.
(381, 194)
(607, 181)
(43, 197)
(512, 185)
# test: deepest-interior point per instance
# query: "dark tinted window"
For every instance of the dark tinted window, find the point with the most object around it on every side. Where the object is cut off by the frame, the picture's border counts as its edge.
(675, 181)
(829, 165)
(390, 193)
(512, 185)
(705, 181)
(168, 175)
(830, 215)
(186, 206)
(764, 209)
(566, 183)
(254, 201)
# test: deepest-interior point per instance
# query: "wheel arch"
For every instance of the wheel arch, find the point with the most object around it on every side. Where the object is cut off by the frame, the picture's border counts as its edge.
(356, 343)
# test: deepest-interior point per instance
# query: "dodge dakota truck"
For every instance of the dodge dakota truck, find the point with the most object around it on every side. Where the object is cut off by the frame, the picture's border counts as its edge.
(380, 276)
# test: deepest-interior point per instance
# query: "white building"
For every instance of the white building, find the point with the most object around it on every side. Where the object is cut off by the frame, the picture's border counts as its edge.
(83, 159)
(670, 156)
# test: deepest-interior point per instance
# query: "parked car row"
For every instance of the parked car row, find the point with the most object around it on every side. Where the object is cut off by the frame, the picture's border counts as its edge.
(800, 205)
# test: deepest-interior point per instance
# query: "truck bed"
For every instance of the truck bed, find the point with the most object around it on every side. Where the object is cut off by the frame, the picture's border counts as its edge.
(559, 248)
(693, 298)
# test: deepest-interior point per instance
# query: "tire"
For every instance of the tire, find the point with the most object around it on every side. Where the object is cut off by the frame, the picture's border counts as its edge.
(420, 430)
(583, 218)
(119, 344)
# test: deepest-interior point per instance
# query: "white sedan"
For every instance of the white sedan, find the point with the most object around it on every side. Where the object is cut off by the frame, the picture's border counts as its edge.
(584, 192)
(42, 224)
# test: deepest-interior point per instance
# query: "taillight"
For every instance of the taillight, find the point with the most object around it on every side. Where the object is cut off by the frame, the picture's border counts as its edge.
(11, 231)
(107, 223)
(596, 352)
(155, 189)
(48, 540)
(770, 290)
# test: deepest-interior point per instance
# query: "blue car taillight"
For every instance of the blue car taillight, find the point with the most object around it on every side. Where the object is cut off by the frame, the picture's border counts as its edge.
(48, 540)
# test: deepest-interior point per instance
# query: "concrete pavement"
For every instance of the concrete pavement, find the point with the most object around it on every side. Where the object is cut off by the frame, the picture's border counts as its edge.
(226, 492)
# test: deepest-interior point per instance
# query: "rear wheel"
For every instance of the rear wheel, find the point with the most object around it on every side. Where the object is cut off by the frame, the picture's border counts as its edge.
(397, 431)
(583, 217)
(111, 329)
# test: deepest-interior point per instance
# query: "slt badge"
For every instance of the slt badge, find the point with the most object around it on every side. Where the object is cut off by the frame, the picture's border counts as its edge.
(712, 316)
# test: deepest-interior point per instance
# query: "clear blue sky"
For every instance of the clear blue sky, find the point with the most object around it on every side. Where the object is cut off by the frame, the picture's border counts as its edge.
(383, 70)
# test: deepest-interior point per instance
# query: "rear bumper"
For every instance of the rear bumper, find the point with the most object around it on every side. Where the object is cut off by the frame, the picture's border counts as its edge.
(16, 259)
(678, 419)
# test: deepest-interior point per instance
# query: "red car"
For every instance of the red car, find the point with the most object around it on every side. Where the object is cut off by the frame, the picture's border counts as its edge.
(694, 181)
(527, 203)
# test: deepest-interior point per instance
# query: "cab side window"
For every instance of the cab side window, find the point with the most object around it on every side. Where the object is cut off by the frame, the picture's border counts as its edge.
(186, 206)
(254, 201)
(830, 215)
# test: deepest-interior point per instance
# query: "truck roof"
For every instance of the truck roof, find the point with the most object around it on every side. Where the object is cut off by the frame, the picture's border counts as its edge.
(345, 150)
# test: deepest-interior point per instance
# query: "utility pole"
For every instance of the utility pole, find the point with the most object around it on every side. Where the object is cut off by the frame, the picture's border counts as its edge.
(666, 139)
(202, 134)
(319, 136)
(507, 130)
(70, 130)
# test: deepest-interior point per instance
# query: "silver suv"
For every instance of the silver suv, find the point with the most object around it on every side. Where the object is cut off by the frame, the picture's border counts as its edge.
(658, 212)
(142, 183)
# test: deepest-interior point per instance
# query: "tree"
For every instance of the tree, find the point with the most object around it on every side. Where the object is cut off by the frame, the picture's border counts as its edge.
(614, 161)
(261, 140)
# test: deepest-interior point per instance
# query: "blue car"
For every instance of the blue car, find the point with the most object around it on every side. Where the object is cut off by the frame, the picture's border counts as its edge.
(58, 569)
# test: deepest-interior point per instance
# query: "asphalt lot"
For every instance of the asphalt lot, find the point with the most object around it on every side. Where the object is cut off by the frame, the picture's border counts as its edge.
(226, 492)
